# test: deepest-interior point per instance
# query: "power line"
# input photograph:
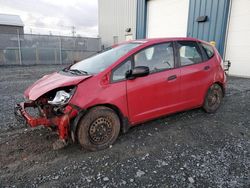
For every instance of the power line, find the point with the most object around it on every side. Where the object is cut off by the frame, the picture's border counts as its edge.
(61, 26)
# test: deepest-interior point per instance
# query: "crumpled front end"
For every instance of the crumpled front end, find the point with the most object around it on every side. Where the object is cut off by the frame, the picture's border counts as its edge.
(52, 110)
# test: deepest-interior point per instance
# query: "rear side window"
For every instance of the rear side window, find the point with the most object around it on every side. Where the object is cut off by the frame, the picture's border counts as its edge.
(189, 53)
(208, 49)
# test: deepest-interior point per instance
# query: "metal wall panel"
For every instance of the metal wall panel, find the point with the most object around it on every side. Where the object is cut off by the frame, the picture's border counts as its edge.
(115, 16)
(141, 19)
(214, 28)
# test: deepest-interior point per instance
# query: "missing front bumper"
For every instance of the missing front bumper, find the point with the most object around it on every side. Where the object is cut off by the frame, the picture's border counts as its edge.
(18, 115)
(61, 122)
(23, 116)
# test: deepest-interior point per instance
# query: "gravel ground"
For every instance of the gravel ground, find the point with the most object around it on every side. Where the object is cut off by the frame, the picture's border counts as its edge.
(188, 149)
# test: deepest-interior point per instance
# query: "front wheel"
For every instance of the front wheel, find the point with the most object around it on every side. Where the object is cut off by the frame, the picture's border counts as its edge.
(98, 129)
(213, 99)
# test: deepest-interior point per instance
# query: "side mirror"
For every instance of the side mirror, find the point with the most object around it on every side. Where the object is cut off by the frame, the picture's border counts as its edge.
(139, 71)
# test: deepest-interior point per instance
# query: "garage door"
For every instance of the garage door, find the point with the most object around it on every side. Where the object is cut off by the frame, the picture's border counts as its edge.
(238, 42)
(167, 18)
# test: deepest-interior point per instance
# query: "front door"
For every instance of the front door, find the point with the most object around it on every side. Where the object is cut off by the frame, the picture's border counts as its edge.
(158, 93)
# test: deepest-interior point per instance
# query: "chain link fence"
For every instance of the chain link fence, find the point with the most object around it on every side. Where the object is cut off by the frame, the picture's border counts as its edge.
(30, 49)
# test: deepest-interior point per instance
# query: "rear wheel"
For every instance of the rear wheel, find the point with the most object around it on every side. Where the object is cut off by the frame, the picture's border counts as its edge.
(213, 99)
(98, 129)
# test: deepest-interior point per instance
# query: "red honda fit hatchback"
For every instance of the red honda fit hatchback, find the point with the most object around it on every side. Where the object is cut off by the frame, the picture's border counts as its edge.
(94, 99)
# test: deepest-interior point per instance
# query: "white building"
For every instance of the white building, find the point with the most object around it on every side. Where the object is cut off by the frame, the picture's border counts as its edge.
(11, 24)
(224, 21)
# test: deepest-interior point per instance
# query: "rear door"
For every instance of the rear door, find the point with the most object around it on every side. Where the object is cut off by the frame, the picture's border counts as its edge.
(196, 73)
(158, 93)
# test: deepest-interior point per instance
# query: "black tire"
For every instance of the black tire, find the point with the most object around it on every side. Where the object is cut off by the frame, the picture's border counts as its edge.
(213, 99)
(98, 129)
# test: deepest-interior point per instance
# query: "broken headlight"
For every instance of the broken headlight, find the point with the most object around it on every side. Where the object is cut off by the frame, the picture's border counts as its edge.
(61, 98)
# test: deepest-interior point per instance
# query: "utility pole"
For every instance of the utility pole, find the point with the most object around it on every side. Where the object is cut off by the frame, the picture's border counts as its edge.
(60, 49)
(19, 47)
(73, 31)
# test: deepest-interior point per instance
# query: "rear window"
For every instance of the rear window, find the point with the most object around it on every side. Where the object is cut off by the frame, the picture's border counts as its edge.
(208, 49)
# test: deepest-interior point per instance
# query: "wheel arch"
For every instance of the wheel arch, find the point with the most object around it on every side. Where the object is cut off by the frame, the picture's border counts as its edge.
(218, 83)
(125, 125)
(222, 87)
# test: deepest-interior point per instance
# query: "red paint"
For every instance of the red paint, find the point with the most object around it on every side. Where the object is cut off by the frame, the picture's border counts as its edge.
(50, 82)
(153, 96)
(138, 100)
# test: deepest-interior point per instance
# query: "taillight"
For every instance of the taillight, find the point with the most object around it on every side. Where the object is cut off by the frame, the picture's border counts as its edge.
(222, 64)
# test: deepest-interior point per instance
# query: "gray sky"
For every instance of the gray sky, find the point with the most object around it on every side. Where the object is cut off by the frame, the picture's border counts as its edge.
(57, 16)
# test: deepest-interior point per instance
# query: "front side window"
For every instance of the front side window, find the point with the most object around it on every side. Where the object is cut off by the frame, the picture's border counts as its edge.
(189, 53)
(100, 62)
(120, 72)
(157, 57)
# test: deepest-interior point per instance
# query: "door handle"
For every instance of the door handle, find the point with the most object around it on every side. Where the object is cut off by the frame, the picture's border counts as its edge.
(206, 67)
(173, 77)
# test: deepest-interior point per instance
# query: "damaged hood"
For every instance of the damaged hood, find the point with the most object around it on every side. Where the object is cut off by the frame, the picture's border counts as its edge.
(50, 82)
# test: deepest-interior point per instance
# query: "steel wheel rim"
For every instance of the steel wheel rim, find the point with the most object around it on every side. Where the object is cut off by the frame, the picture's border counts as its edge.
(100, 130)
(214, 98)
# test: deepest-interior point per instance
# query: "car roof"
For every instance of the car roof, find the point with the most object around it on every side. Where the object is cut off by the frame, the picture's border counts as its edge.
(149, 41)
(156, 40)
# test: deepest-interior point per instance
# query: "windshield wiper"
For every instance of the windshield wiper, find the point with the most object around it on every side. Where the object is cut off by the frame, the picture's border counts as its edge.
(76, 71)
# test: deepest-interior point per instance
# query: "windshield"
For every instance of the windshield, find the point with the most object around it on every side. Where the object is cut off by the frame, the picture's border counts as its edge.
(100, 62)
